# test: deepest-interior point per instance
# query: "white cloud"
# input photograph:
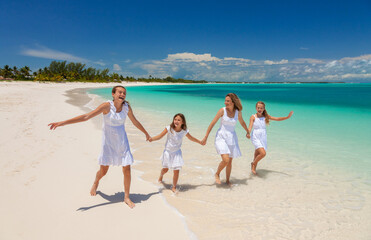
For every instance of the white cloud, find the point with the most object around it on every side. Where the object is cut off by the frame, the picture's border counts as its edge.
(269, 62)
(207, 67)
(304, 48)
(362, 57)
(236, 59)
(47, 53)
(354, 75)
(191, 57)
(116, 67)
(308, 70)
(257, 76)
(100, 62)
(331, 64)
(307, 60)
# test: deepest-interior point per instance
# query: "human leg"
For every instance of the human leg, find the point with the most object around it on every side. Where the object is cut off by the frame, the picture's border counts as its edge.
(101, 172)
(259, 155)
(228, 170)
(222, 165)
(163, 171)
(175, 180)
(127, 181)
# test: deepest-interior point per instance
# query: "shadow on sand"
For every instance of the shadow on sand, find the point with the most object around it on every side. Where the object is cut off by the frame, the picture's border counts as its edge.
(119, 198)
(263, 173)
(186, 187)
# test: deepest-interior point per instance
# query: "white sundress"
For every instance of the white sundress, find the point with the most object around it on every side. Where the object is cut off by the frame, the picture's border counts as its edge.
(172, 155)
(226, 141)
(259, 133)
(115, 144)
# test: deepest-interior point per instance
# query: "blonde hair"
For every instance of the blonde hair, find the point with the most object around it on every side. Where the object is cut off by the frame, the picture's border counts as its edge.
(265, 113)
(236, 101)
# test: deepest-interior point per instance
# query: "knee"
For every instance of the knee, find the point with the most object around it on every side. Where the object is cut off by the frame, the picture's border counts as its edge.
(226, 160)
(164, 170)
(103, 171)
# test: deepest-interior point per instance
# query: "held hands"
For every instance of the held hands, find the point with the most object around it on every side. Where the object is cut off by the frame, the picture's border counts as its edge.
(248, 135)
(54, 125)
(203, 141)
(148, 138)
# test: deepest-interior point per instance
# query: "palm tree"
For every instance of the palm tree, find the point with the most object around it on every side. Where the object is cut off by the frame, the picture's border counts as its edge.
(25, 72)
(15, 72)
(7, 72)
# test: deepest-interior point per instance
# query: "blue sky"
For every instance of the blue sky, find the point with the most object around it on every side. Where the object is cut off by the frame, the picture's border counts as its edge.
(211, 40)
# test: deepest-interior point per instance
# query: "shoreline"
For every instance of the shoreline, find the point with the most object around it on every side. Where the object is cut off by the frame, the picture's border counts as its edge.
(297, 200)
(80, 97)
(48, 174)
(292, 196)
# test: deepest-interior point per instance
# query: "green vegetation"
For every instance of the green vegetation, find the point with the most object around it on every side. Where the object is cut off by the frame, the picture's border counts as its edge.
(77, 72)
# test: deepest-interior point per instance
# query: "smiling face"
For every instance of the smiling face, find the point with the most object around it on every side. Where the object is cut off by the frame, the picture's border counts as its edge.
(178, 122)
(260, 108)
(228, 103)
(119, 94)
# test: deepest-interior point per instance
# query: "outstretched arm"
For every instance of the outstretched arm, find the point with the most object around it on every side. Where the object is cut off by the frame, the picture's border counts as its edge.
(218, 115)
(103, 108)
(137, 123)
(252, 119)
(243, 124)
(281, 118)
(158, 136)
(193, 139)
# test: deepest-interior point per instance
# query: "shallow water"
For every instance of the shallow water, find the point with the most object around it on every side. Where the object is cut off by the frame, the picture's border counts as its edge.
(313, 184)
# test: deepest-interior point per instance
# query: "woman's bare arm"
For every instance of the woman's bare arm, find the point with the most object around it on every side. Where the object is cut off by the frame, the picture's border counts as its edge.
(218, 115)
(103, 108)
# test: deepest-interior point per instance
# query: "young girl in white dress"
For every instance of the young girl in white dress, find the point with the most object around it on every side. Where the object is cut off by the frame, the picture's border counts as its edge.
(258, 122)
(115, 145)
(172, 155)
(226, 142)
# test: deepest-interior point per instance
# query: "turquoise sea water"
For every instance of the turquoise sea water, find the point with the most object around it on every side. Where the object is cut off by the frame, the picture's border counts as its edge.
(314, 183)
(330, 126)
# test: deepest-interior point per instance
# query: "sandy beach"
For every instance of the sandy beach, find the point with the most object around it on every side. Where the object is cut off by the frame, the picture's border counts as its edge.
(46, 175)
(46, 178)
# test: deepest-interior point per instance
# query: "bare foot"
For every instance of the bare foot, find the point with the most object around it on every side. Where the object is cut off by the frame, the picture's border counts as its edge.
(160, 179)
(93, 190)
(129, 203)
(229, 183)
(217, 179)
(253, 168)
(175, 191)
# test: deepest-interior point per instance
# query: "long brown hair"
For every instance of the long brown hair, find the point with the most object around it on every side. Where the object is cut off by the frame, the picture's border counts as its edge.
(184, 125)
(114, 91)
(236, 101)
(265, 113)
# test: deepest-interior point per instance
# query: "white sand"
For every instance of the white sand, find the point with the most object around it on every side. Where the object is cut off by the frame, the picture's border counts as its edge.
(45, 176)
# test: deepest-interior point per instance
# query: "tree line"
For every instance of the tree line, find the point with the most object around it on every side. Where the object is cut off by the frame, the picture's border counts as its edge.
(78, 72)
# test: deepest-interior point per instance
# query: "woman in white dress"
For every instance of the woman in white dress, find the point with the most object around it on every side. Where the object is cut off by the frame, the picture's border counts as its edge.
(115, 145)
(226, 142)
(259, 121)
(172, 155)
